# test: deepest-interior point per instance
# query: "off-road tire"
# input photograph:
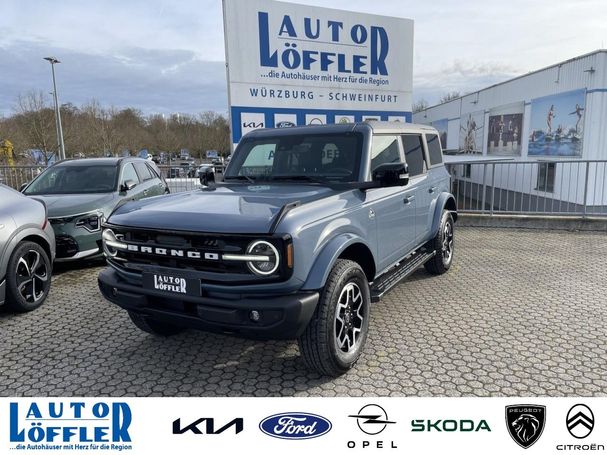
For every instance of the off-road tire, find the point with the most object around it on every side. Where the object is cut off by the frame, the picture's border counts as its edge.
(154, 326)
(15, 272)
(439, 264)
(318, 345)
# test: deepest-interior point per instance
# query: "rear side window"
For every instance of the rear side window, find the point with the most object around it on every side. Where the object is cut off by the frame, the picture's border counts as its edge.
(154, 172)
(434, 149)
(143, 171)
(414, 154)
(384, 150)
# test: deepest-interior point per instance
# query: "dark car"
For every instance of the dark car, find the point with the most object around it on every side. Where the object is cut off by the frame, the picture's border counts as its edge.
(80, 193)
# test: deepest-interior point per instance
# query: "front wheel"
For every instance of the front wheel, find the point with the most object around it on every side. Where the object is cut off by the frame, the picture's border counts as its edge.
(335, 337)
(28, 277)
(443, 245)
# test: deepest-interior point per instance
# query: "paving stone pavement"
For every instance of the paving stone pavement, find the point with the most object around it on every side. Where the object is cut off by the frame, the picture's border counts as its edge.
(521, 312)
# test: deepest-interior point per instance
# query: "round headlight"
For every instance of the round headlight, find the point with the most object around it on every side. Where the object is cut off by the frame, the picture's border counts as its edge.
(263, 248)
(111, 243)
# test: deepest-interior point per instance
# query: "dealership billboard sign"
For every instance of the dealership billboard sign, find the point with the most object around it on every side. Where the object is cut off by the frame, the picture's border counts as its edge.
(292, 64)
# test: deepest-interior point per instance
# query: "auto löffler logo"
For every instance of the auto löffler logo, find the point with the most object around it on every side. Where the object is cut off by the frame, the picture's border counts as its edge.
(295, 425)
(525, 423)
(70, 425)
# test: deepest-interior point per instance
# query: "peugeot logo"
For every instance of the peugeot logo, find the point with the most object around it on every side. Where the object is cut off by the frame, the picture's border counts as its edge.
(580, 421)
(372, 419)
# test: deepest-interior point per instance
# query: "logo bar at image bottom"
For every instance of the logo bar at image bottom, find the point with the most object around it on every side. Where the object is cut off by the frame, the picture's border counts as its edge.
(301, 425)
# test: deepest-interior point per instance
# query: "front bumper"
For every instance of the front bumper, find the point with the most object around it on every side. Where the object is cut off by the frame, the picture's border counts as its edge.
(282, 316)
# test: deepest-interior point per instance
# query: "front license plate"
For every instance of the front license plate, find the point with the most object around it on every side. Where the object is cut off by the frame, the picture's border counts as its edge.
(173, 284)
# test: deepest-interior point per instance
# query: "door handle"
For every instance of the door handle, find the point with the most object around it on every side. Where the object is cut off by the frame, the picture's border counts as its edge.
(409, 199)
(145, 192)
(432, 189)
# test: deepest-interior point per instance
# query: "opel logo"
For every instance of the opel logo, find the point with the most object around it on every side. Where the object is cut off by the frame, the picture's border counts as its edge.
(580, 421)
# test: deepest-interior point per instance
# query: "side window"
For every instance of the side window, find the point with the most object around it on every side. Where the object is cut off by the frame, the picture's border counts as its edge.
(128, 173)
(414, 154)
(434, 149)
(143, 171)
(384, 150)
(153, 171)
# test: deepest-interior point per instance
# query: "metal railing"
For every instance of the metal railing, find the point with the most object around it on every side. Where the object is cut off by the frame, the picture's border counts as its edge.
(550, 187)
(558, 187)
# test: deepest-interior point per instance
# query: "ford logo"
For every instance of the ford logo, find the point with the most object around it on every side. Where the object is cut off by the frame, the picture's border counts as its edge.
(295, 425)
(285, 124)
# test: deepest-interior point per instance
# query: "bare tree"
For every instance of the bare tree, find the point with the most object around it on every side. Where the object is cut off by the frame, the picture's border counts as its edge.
(420, 105)
(36, 120)
(450, 96)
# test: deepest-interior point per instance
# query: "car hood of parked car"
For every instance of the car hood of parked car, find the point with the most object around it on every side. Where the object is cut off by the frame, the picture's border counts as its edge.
(236, 208)
(62, 205)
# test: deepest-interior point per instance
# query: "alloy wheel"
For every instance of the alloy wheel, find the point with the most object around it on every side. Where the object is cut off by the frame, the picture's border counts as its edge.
(32, 276)
(349, 318)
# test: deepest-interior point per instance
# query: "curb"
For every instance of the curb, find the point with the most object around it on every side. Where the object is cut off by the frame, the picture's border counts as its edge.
(533, 222)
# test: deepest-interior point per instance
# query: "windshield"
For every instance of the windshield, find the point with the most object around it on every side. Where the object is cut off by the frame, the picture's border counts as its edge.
(312, 157)
(75, 179)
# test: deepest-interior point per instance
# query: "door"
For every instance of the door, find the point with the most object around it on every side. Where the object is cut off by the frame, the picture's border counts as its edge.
(393, 208)
(148, 185)
(419, 183)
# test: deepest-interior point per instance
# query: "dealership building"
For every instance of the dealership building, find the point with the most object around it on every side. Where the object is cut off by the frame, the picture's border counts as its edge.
(536, 138)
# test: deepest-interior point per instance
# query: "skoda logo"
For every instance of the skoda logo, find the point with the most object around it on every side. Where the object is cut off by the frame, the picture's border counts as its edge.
(580, 421)
(372, 419)
(295, 425)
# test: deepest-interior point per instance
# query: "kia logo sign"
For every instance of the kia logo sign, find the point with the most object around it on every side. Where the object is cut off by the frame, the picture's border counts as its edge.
(295, 425)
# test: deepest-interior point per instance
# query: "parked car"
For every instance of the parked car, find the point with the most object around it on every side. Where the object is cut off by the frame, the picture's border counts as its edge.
(175, 173)
(27, 251)
(218, 165)
(311, 225)
(80, 193)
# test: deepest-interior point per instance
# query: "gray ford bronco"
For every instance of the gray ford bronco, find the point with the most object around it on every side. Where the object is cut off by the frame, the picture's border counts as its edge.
(310, 226)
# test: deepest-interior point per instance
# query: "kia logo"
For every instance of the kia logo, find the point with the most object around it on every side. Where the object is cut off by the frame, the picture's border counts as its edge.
(295, 425)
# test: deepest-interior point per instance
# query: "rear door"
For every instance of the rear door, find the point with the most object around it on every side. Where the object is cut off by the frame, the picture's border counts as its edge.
(149, 186)
(419, 181)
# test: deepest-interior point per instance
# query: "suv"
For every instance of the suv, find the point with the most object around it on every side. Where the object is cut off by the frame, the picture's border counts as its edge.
(27, 251)
(310, 226)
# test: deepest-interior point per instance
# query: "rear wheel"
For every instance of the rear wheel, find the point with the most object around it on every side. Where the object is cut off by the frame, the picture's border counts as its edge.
(154, 326)
(443, 245)
(28, 277)
(334, 340)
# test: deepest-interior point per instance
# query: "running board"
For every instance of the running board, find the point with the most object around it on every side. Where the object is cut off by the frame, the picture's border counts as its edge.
(391, 278)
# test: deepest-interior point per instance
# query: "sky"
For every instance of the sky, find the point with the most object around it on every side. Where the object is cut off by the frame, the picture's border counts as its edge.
(168, 56)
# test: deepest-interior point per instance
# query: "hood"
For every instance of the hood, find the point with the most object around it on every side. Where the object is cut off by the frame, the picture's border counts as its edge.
(60, 205)
(233, 208)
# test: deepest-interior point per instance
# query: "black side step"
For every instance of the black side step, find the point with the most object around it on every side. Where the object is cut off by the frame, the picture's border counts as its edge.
(391, 278)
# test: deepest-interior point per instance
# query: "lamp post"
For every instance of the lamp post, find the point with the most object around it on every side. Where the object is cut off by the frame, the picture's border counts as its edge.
(52, 61)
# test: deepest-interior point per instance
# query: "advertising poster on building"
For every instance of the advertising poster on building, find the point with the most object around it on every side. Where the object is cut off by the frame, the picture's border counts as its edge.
(505, 130)
(442, 126)
(557, 124)
(471, 133)
(314, 65)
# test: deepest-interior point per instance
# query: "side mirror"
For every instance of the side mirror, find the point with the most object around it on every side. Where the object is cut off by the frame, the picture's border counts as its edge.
(391, 174)
(207, 176)
(128, 185)
(23, 186)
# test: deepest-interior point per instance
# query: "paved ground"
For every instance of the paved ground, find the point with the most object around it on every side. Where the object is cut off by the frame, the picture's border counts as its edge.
(520, 313)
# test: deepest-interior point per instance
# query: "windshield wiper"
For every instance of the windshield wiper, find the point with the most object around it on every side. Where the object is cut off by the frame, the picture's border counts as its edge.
(306, 178)
(240, 177)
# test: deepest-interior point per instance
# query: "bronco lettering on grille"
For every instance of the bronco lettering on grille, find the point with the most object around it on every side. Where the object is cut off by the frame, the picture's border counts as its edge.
(161, 251)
